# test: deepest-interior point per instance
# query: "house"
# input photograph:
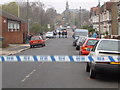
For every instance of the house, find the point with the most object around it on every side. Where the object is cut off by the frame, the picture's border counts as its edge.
(105, 18)
(114, 17)
(94, 17)
(14, 29)
(118, 17)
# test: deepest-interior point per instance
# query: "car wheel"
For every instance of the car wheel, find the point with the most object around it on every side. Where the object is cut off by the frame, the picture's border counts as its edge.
(77, 48)
(92, 73)
(44, 44)
(87, 68)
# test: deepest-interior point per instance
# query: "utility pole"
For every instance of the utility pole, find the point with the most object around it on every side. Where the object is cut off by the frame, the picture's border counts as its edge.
(99, 17)
(28, 16)
(80, 17)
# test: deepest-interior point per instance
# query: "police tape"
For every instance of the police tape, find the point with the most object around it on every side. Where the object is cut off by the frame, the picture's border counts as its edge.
(59, 59)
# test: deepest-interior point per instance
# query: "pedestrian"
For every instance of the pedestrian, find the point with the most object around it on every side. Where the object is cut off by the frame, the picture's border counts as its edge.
(90, 34)
(94, 35)
(41, 34)
(59, 34)
(54, 33)
(63, 33)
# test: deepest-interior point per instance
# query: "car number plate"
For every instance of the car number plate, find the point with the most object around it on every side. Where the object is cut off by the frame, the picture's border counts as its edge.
(35, 42)
(115, 62)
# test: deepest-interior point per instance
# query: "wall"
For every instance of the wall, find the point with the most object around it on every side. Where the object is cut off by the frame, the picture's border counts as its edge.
(114, 20)
(13, 37)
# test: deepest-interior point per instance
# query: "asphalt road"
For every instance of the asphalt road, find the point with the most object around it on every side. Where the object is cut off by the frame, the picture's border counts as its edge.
(53, 74)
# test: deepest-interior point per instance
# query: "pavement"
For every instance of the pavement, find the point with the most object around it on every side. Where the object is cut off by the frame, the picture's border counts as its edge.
(13, 49)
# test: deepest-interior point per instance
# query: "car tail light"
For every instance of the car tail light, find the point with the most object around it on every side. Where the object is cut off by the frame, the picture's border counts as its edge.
(84, 48)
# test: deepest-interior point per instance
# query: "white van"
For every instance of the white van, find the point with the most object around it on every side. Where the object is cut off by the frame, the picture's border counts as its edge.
(81, 32)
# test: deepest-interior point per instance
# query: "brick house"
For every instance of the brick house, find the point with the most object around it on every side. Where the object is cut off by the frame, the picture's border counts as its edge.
(118, 17)
(14, 29)
(114, 17)
(108, 18)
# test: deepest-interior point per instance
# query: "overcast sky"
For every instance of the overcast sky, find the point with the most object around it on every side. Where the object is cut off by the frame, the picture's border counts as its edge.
(59, 5)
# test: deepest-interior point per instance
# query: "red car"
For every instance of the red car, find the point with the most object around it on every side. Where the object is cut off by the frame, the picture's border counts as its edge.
(87, 45)
(36, 41)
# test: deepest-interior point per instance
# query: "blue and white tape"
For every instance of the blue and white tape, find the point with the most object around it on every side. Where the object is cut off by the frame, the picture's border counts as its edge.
(59, 59)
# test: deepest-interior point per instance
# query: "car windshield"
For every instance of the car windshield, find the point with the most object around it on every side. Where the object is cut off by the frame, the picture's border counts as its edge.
(35, 38)
(92, 42)
(109, 45)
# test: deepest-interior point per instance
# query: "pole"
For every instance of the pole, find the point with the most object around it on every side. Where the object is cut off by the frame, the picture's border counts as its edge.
(18, 10)
(28, 15)
(80, 17)
(99, 18)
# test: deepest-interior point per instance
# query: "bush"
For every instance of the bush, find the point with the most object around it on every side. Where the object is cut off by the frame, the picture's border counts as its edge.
(36, 28)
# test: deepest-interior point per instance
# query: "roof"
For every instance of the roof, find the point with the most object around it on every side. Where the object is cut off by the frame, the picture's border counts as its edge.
(95, 10)
(109, 5)
(10, 16)
(72, 10)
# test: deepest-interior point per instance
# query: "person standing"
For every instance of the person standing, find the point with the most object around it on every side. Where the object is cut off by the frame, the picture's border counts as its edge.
(59, 34)
(63, 33)
(94, 35)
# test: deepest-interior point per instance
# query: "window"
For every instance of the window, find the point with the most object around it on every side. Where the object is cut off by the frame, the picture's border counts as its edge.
(12, 25)
(109, 45)
(92, 42)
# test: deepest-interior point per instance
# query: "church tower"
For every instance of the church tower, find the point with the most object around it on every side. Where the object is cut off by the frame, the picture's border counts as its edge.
(67, 5)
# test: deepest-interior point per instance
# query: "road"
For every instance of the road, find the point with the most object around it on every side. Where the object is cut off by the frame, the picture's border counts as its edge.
(53, 74)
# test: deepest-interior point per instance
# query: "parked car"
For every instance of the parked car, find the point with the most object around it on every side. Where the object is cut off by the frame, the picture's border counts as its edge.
(105, 47)
(80, 42)
(88, 44)
(75, 40)
(80, 32)
(49, 35)
(36, 41)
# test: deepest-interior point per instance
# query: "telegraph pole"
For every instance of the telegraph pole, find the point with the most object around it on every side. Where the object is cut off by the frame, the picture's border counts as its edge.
(80, 17)
(99, 17)
(28, 16)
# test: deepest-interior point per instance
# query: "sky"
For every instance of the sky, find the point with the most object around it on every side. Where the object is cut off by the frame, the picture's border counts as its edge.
(59, 5)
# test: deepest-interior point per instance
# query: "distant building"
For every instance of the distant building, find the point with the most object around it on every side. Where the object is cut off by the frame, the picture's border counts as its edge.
(14, 29)
(76, 17)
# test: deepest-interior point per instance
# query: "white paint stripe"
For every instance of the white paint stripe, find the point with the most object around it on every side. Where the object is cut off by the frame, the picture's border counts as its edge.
(26, 77)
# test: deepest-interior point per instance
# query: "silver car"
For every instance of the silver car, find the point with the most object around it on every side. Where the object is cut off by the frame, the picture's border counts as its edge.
(79, 42)
(105, 47)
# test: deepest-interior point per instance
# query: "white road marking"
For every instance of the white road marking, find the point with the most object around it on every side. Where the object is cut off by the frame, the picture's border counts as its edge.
(26, 77)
